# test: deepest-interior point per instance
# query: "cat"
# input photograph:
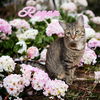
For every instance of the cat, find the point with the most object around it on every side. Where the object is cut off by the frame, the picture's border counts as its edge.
(64, 53)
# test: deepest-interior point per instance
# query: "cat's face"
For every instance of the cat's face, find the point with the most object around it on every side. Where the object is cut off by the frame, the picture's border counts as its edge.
(75, 34)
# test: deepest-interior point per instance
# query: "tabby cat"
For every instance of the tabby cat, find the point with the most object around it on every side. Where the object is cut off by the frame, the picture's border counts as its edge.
(65, 53)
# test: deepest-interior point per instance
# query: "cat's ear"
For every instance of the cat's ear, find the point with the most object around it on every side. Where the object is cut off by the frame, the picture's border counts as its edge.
(63, 25)
(80, 21)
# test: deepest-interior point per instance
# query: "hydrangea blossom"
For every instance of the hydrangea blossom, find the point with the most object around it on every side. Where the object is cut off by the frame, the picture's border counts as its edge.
(96, 20)
(20, 23)
(13, 84)
(23, 46)
(26, 74)
(32, 52)
(39, 79)
(70, 7)
(29, 34)
(97, 76)
(90, 33)
(7, 64)
(54, 28)
(93, 43)
(5, 27)
(89, 56)
(90, 13)
(55, 88)
(83, 3)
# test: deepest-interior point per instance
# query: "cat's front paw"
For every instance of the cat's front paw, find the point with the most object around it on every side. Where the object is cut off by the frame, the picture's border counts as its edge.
(61, 76)
(69, 80)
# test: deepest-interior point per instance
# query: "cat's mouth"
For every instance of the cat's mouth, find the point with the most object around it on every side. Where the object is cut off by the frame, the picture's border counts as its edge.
(74, 46)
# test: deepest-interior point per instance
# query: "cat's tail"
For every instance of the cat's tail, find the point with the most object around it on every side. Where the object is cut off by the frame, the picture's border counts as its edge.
(33, 63)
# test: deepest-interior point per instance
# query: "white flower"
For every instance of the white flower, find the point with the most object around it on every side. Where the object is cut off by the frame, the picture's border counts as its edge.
(89, 33)
(70, 7)
(97, 76)
(31, 3)
(20, 24)
(96, 20)
(97, 36)
(7, 64)
(81, 2)
(90, 13)
(13, 84)
(34, 20)
(23, 48)
(29, 34)
(55, 88)
(89, 56)
(43, 55)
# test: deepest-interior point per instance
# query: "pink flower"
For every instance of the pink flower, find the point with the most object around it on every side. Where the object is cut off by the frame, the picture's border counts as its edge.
(54, 28)
(39, 79)
(5, 27)
(32, 52)
(96, 20)
(94, 43)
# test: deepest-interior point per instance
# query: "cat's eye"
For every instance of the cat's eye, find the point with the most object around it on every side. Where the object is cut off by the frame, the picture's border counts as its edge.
(68, 32)
(77, 31)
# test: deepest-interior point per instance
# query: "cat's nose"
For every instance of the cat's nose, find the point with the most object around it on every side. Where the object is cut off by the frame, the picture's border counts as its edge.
(73, 37)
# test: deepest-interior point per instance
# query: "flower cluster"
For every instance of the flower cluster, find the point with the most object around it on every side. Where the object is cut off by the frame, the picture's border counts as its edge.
(39, 79)
(26, 74)
(70, 7)
(90, 13)
(29, 34)
(90, 33)
(5, 27)
(13, 84)
(50, 87)
(6, 64)
(96, 20)
(93, 43)
(89, 56)
(55, 88)
(20, 24)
